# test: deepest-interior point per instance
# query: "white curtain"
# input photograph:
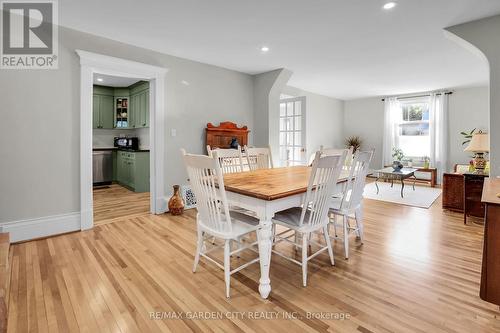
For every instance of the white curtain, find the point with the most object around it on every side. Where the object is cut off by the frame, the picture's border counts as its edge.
(392, 115)
(438, 130)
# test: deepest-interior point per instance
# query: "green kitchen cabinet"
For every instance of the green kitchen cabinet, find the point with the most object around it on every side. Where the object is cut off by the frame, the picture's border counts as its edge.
(106, 113)
(133, 108)
(95, 111)
(121, 107)
(102, 108)
(133, 170)
(139, 105)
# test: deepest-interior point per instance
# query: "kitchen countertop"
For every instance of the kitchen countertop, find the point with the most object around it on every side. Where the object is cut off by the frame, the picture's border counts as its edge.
(121, 149)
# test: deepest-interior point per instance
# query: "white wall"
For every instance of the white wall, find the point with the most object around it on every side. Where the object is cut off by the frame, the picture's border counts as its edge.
(365, 118)
(40, 130)
(324, 120)
(267, 89)
(262, 86)
(482, 37)
(468, 109)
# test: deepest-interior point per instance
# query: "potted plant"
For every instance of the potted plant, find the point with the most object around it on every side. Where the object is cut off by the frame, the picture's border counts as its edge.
(467, 136)
(353, 141)
(426, 162)
(398, 156)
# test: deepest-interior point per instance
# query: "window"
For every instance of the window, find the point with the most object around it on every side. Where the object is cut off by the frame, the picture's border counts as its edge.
(413, 129)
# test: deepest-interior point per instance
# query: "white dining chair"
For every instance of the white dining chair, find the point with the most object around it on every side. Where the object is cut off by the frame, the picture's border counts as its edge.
(313, 215)
(214, 218)
(230, 160)
(350, 204)
(258, 158)
(333, 152)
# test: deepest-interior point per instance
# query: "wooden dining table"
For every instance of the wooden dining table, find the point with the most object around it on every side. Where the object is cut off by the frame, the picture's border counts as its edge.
(266, 192)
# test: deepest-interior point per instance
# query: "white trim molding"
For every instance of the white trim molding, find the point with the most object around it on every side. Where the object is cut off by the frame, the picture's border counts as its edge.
(23, 230)
(91, 63)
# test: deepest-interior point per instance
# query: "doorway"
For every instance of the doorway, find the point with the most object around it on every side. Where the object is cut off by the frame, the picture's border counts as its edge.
(292, 131)
(120, 148)
(91, 64)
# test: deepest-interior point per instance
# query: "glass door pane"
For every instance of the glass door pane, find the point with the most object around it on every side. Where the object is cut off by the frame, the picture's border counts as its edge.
(292, 131)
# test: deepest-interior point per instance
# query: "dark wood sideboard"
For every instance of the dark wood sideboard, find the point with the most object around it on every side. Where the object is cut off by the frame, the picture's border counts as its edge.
(453, 192)
(473, 190)
(221, 136)
(462, 193)
(490, 273)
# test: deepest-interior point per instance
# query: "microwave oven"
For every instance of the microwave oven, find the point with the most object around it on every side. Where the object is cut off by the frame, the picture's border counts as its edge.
(131, 143)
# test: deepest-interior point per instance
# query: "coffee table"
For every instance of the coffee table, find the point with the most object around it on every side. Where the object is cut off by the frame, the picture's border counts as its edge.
(390, 174)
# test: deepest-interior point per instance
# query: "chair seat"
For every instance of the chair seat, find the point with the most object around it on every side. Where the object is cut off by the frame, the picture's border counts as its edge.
(241, 224)
(336, 203)
(335, 207)
(290, 218)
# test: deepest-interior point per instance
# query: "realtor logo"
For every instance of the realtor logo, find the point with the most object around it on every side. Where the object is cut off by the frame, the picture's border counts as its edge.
(29, 35)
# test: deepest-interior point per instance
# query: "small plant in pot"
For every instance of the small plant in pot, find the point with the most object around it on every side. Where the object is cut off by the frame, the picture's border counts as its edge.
(467, 136)
(354, 142)
(398, 156)
(427, 161)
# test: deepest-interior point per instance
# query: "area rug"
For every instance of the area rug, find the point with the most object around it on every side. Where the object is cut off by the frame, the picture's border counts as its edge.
(423, 196)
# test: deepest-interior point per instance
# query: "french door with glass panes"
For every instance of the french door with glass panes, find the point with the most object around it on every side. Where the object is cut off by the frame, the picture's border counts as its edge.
(292, 131)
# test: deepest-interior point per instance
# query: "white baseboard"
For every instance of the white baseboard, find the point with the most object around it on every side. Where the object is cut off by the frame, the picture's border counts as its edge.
(41, 227)
(161, 205)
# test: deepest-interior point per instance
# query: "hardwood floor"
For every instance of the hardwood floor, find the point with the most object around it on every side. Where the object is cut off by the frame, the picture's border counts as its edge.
(114, 202)
(418, 271)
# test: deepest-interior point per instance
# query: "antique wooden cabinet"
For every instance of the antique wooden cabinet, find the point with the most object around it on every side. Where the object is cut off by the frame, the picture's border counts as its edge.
(473, 189)
(222, 135)
(453, 192)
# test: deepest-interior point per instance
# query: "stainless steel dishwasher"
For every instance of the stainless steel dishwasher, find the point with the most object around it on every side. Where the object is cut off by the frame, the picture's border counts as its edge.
(102, 167)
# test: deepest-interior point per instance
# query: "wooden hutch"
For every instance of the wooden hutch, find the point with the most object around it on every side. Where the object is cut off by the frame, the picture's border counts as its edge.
(222, 135)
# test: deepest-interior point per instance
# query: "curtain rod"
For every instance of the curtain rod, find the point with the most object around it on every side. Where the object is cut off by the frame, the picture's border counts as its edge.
(426, 95)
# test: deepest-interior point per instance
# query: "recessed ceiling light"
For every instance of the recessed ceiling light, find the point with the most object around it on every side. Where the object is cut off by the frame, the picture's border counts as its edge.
(389, 5)
(264, 49)
(100, 79)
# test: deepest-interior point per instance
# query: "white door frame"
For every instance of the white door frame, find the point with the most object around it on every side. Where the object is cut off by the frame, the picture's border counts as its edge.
(91, 63)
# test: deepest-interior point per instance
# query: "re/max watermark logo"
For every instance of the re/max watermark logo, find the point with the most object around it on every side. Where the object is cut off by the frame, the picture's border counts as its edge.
(29, 35)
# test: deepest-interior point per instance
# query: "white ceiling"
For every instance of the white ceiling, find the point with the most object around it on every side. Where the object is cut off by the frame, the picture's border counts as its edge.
(114, 81)
(340, 48)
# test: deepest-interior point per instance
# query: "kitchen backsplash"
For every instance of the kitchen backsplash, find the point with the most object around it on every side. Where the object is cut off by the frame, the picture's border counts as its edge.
(103, 138)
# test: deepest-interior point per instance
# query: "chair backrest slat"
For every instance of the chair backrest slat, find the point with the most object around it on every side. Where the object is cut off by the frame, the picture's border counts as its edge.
(322, 184)
(207, 183)
(334, 152)
(230, 160)
(258, 158)
(357, 179)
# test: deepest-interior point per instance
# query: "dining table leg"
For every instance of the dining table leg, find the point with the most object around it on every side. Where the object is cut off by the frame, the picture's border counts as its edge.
(265, 235)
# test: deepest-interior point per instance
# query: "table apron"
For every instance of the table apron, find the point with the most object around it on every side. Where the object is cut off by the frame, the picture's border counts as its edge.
(265, 209)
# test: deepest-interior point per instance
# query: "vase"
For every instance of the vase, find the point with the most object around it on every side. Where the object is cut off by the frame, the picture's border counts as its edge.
(426, 164)
(397, 165)
(176, 204)
(234, 144)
